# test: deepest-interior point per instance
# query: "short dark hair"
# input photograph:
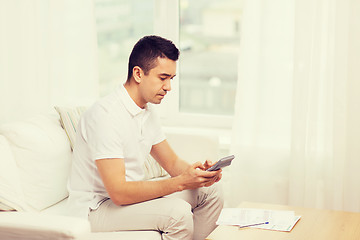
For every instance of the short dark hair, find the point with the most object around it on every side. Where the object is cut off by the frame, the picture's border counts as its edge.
(147, 50)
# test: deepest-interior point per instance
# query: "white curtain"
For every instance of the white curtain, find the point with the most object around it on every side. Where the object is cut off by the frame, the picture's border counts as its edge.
(296, 131)
(47, 55)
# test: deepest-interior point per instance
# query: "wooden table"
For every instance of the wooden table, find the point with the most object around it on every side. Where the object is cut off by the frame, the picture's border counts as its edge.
(313, 224)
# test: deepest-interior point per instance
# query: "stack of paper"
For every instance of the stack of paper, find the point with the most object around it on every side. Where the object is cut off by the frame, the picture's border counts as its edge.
(258, 218)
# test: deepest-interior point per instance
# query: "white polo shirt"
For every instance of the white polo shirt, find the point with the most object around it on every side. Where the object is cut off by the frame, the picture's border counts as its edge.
(114, 127)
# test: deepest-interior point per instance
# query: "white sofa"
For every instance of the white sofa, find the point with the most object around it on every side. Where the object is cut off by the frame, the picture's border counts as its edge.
(34, 167)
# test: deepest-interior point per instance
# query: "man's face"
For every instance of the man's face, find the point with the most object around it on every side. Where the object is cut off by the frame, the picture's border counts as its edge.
(155, 85)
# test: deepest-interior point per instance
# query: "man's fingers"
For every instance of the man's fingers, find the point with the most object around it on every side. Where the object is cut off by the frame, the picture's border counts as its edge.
(198, 165)
(208, 163)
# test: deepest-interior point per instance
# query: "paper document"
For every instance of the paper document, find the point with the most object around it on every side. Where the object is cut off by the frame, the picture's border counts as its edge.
(280, 226)
(277, 220)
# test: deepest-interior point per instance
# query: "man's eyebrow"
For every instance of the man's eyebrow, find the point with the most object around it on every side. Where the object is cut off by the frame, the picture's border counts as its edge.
(167, 75)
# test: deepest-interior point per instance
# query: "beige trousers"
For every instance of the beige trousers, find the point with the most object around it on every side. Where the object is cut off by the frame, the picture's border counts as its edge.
(190, 214)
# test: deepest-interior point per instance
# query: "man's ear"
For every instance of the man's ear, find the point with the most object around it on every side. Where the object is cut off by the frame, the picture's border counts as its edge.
(137, 74)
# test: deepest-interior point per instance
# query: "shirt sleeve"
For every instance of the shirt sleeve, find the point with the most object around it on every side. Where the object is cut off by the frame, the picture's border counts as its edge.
(103, 136)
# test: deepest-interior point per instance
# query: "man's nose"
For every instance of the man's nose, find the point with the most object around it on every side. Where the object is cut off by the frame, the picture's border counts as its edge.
(167, 85)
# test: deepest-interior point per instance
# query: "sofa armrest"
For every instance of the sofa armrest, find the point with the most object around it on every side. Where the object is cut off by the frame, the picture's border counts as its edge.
(36, 226)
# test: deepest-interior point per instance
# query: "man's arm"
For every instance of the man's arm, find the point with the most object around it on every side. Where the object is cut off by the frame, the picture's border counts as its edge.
(167, 158)
(175, 166)
(122, 192)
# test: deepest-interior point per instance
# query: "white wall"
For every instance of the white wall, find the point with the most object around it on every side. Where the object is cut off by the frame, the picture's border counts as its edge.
(48, 56)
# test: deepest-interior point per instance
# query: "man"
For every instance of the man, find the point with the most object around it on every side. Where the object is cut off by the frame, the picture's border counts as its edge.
(113, 139)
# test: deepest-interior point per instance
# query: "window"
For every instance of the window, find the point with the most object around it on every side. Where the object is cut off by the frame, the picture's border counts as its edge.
(209, 42)
(208, 35)
(120, 23)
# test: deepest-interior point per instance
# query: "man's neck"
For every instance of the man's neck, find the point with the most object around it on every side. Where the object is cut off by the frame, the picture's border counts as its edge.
(133, 92)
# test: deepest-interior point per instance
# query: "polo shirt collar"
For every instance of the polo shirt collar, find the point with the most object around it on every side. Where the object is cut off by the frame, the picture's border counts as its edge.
(129, 103)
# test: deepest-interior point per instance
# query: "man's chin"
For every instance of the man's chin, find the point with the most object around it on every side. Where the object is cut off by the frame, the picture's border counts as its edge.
(156, 101)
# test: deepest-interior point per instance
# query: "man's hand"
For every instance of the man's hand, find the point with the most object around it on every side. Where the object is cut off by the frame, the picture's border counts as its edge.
(209, 164)
(196, 176)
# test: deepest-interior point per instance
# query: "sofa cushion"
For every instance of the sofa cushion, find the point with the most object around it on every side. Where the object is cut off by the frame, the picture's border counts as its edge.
(70, 116)
(153, 169)
(38, 226)
(42, 154)
(129, 235)
(11, 195)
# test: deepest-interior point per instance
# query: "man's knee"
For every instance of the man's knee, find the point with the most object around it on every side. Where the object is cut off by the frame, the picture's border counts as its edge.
(214, 194)
(180, 219)
(181, 212)
(218, 193)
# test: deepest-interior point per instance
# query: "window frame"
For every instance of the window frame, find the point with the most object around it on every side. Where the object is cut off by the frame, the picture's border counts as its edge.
(167, 24)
